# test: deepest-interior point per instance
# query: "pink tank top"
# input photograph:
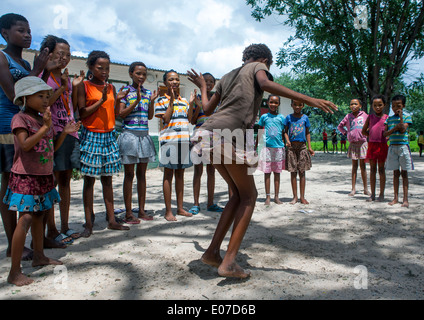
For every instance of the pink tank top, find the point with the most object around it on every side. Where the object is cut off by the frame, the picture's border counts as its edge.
(376, 127)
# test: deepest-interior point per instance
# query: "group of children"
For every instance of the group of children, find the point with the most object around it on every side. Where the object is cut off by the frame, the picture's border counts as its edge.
(368, 136)
(40, 144)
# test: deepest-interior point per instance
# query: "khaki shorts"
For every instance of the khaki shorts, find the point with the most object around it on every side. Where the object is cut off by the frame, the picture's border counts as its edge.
(399, 157)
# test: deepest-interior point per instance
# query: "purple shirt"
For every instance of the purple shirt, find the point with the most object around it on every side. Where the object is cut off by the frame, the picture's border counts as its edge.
(376, 128)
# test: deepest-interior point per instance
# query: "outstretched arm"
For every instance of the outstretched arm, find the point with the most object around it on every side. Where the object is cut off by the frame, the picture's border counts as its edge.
(208, 106)
(275, 88)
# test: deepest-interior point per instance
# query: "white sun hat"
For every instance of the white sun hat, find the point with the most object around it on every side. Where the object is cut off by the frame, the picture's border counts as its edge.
(28, 86)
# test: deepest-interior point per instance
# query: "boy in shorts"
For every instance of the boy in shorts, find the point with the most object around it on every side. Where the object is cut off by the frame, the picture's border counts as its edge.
(399, 156)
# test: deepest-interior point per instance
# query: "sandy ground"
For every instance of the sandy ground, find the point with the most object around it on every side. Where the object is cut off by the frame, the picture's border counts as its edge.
(335, 248)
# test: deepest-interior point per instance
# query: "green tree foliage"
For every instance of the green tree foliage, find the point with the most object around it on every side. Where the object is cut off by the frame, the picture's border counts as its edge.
(363, 50)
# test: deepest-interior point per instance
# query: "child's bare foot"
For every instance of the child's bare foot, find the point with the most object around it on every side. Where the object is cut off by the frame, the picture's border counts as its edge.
(393, 202)
(170, 217)
(233, 271)
(116, 226)
(293, 201)
(131, 219)
(144, 216)
(371, 199)
(267, 201)
(211, 259)
(87, 232)
(380, 198)
(304, 201)
(367, 193)
(405, 204)
(352, 193)
(42, 260)
(277, 201)
(19, 279)
(184, 213)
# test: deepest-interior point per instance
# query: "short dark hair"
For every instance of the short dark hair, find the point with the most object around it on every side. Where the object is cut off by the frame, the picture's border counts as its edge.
(399, 97)
(360, 101)
(257, 51)
(51, 41)
(210, 75)
(379, 96)
(9, 19)
(94, 55)
(136, 64)
(274, 95)
(166, 74)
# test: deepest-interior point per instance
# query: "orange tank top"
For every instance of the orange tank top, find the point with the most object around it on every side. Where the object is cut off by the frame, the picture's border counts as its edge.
(103, 119)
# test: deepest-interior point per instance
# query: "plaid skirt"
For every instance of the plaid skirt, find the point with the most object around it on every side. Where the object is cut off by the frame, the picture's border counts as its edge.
(99, 153)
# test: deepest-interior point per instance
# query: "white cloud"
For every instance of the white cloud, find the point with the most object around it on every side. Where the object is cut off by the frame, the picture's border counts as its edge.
(206, 35)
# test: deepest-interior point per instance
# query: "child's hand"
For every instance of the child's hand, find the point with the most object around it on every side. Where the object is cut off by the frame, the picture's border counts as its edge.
(40, 60)
(47, 118)
(64, 79)
(196, 78)
(288, 144)
(104, 92)
(193, 96)
(312, 152)
(154, 95)
(78, 79)
(72, 127)
(122, 94)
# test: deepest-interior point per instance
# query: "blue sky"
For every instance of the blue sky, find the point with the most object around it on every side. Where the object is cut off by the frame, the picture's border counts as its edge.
(207, 35)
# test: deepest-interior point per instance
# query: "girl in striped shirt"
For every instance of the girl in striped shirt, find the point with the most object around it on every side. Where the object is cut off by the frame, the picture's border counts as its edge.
(174, 141)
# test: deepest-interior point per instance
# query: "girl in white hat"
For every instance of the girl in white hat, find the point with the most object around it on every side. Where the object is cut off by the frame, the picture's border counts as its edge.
(31, 188)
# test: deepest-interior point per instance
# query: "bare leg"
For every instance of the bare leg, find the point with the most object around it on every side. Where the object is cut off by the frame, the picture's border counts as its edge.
(17, 244)
(293, 178)
(87, 196)
(197, 175)
(364, 176)
(108, 200)
(127, 191)
(302, 178)
(405, 183)
(179, 190)
(373, 179)
(396, 175)
(210, 170)
(141, 190)
(277, 188)
(168, 175)
(267, 179)
(382, 175)
(354, 175)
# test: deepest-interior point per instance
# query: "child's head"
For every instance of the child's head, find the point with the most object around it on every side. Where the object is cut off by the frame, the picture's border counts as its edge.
(273, 102)
(98, 62)
(210, 81)
(378, 103)
(256, 52)
(297, 106)
(138, 72)
(15, 29)
(32, 92)
(398, 103)
(355, 105)
(171, 79)
(59, 47)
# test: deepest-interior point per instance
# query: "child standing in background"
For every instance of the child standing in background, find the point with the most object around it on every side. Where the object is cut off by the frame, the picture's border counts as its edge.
(174, 142)
(399, 155)
(358, 144)
(198, 117)
(98, 103)
(273, 155)
(298, 154)
(325, 140)
(334, 140)
(31, 189)
(135, 144)
(377, 145)
(66, 158)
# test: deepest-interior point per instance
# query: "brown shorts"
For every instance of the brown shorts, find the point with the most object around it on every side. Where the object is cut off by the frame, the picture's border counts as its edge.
(298, 158)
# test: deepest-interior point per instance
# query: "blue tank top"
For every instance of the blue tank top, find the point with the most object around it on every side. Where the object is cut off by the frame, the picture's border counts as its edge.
(7, 108)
